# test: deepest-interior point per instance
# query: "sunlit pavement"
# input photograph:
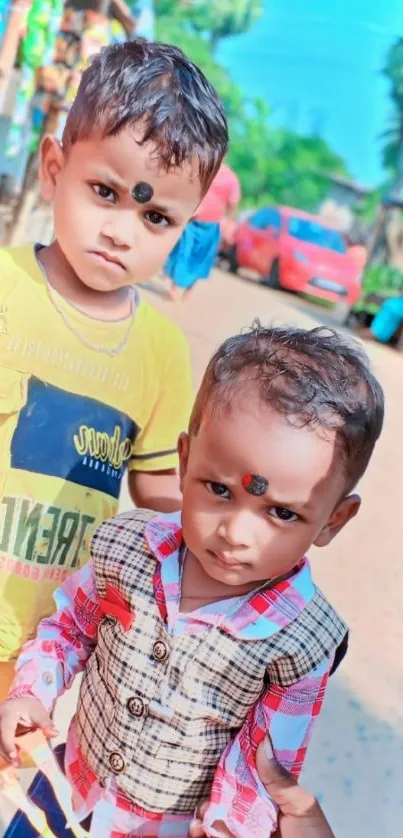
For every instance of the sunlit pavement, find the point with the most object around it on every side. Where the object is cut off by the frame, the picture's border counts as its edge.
(355, 764)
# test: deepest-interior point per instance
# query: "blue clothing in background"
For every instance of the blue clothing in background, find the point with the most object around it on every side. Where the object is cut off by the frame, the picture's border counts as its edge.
(194, 255)
(388, 320)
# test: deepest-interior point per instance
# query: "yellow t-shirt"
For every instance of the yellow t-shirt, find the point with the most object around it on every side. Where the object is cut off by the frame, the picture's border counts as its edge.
(72, 419)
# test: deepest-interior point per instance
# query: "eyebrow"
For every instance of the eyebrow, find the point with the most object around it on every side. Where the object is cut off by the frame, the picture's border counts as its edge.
(290, 504)
(287, 504)
(295, 505)
(163, 209)
(111, 180)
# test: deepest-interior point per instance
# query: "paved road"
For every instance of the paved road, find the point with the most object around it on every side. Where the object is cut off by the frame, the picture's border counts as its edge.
(355, 763)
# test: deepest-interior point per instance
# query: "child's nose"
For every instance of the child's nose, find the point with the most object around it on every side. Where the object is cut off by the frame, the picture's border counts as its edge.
(237, 528)
(120, 230)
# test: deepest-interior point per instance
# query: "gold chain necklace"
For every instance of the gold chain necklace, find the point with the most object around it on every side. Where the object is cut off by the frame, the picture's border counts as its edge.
(111, 351)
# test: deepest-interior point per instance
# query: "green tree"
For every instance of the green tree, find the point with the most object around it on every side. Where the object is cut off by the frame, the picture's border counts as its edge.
(213, 19)
(274, 165)
(393, 148)
(221, 18)
(278, 166)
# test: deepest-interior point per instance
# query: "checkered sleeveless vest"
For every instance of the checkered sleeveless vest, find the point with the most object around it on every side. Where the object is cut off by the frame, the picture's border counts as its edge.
(157, 711)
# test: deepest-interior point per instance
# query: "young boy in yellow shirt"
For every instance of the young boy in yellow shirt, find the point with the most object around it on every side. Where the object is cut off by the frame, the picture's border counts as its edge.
(94, 381)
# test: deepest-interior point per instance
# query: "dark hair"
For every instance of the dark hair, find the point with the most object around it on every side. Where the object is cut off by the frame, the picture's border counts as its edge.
(144, 81)
(315, 378)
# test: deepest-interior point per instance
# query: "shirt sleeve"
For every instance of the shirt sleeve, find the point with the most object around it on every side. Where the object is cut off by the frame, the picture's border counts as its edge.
(64, 642)
(238, 797)
(155, 448)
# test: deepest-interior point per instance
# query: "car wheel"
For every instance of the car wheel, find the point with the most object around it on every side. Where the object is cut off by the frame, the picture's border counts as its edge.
(273, 278)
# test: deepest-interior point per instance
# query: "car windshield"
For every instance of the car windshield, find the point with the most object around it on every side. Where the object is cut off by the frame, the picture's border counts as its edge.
(314, 233)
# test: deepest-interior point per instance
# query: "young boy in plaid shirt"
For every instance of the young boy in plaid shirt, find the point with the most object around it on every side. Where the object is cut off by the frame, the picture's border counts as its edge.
(200, 631)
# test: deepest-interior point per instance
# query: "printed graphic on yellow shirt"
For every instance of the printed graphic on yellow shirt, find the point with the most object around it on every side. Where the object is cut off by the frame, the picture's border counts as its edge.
(73, 437)
(76, 440)
(63, 467)
(46, 526)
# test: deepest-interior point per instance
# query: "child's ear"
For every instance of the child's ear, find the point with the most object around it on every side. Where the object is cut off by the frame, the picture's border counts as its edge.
(344, 512)
(183, 451)
(51, 164)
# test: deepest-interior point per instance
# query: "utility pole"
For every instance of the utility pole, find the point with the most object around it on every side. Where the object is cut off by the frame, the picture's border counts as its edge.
(10, 42)
(394, 200)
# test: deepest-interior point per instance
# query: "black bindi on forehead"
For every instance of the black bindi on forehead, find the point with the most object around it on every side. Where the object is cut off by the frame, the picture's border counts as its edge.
(255, 484)
(142, 192)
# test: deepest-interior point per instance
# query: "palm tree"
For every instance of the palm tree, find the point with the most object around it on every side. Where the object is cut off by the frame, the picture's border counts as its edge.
(220, 18)
(393, 149)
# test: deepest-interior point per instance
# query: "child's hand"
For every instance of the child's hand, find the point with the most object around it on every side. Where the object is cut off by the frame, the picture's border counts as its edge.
(27, 712)
(300, 814)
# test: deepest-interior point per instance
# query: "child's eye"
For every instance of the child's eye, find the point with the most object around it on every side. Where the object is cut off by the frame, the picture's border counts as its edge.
(218, 489)
(104, 192)
(156, 219)
(281, 513)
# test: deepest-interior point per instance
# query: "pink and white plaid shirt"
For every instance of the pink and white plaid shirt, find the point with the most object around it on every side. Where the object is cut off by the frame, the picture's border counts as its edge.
(48, 665)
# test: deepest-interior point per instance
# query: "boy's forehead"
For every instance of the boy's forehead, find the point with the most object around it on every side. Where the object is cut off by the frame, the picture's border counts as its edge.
(131, 161)
(298, 463)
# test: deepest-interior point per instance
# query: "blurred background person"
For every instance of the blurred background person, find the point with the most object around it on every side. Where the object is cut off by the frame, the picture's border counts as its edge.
(193, 258)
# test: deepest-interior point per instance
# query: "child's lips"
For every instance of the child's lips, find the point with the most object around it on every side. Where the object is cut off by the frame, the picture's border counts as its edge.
(104, 256)
(228, 562)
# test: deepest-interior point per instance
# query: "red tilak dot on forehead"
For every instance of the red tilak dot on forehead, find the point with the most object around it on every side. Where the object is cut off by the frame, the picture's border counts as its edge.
(247, 480)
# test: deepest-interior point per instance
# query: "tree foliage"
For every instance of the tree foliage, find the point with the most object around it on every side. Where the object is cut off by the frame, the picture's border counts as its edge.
(213, 19)
(221, 18)
(393, 136)
(274, 165)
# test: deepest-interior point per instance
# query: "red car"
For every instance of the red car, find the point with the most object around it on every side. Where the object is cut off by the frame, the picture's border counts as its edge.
(297, 251)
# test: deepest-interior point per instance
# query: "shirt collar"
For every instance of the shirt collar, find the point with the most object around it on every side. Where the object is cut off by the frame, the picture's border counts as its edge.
(267, 611)
(164, 534)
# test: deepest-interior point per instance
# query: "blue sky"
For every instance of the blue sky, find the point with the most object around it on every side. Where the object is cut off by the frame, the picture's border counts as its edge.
(318, 63)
